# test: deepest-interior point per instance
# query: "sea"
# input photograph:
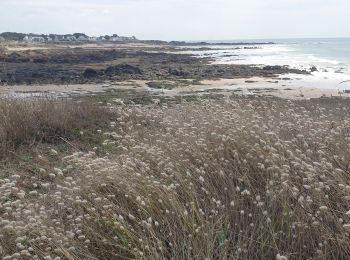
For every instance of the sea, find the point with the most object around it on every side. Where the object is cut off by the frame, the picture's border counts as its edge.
(331, 57)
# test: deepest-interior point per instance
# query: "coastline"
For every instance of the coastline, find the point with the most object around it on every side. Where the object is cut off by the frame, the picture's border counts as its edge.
(152, 69)
(144, 152)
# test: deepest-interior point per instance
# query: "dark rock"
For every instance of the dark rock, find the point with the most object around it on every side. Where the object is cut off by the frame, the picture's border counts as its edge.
(122, 69)
(174, 72)
(313, 69)
(272, 67)
(251, 81)
(178, 72)
(13, 57)
(23, 60)
(36, 75)
(90, 73)
(148, 66)
(39, 60)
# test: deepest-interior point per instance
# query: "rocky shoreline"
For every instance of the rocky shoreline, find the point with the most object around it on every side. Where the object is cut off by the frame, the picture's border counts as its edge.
(82, 65)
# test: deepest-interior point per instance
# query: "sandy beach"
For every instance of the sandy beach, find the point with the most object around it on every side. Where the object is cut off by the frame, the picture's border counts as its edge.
(244, 86)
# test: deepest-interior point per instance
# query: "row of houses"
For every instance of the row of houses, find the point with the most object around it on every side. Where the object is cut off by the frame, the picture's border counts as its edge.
(79, 38)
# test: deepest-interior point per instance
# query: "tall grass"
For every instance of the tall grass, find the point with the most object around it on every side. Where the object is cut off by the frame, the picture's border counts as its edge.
(233, 179)
(27, 122)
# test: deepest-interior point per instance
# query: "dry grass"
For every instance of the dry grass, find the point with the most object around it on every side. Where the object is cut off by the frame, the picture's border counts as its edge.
(232, 179)
(25, 123)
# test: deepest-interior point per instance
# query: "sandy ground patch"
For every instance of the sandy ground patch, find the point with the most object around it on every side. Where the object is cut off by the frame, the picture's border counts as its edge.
(71, 88)
(293, 89)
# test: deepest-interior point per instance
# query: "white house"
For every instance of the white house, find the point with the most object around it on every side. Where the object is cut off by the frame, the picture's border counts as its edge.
(116, 39)
(71, 38)
(38, 39)
(82, 38)
(34, 39)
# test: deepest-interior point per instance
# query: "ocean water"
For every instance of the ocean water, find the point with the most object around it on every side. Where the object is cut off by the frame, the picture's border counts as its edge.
(330, 56)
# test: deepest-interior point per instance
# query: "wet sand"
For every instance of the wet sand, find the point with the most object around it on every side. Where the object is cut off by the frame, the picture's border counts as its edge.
(69, 89)
(293, 89)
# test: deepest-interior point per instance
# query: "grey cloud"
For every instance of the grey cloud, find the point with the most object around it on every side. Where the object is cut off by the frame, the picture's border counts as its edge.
(180, 19)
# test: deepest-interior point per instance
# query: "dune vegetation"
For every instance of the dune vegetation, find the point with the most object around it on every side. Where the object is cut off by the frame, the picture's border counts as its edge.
(25, 123)
(235, 178)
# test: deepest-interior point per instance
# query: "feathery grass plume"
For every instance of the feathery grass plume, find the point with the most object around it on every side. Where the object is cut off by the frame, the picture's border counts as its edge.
(207, 179)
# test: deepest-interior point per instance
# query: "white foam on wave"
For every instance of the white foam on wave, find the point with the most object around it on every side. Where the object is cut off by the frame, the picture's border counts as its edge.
(330, 71)
(272, 55)
(323, 60)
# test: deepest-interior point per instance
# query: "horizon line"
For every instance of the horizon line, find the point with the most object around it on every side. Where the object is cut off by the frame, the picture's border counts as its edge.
(191, 40)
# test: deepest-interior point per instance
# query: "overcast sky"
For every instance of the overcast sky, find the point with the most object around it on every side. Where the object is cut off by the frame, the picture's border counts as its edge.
(180, 19)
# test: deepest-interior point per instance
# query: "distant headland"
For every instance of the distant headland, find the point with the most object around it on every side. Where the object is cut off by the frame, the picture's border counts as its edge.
(115, 38)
